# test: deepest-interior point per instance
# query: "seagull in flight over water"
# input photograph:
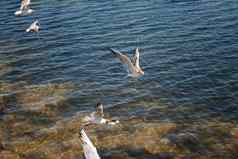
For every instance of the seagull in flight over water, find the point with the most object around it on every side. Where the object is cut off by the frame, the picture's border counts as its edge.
(24, 9)
(132, 64)
(90, 152)
(97, 117)
(34, 27)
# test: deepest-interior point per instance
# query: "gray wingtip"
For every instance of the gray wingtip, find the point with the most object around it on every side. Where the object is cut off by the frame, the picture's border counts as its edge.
(114, 52)
(110, 48)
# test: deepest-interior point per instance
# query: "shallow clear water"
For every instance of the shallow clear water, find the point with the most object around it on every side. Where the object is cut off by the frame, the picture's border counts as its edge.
(189, 52)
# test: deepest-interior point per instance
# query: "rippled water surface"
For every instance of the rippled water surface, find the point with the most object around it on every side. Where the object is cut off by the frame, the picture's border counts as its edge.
(189, 52)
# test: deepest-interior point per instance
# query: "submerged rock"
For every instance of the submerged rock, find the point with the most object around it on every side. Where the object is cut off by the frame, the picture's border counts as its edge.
(43, 98)
(8, 155)
(4, 69)
(36, 130)
(131, 139)
(167, 155)
(47, 99)
(11, 88)
(185, 140)
(4, 99)
(234, 132)
(7, 94)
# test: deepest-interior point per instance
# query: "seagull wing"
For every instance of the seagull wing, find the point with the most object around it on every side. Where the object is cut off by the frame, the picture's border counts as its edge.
(124, 59)
(135, 58)
(35, 23)
(90, 152)
(32, 26)
(25, 4)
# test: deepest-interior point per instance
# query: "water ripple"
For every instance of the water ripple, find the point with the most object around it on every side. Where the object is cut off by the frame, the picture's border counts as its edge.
(188, 48)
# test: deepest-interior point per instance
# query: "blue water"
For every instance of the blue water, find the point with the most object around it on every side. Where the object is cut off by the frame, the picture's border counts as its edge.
(189, 51)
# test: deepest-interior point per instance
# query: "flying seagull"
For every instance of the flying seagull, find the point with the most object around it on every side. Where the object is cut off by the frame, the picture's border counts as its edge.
(24, 9)
(90, 152)
(34, 27)
(97, 117)
(132, 64)
(25, 4)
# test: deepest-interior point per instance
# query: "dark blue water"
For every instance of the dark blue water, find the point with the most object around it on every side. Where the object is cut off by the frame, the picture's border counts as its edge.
(189, 51)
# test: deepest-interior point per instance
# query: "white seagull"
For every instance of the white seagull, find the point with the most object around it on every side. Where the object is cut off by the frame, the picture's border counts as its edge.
(34, 27)
(132, 64)
(90, 152)
(97, 117)
(24, 9)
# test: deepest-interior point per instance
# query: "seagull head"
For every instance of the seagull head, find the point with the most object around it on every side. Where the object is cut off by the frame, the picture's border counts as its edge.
(99, 109)
(37, 22)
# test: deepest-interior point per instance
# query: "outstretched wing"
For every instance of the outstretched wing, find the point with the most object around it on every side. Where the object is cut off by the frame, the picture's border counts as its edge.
(36, 23)
(32, 26)
(135, 58)
(124, 59)
(90, 152)
(25, 4)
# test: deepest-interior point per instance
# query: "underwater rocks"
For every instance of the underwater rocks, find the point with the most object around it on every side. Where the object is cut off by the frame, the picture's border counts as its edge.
(26, 110)
(33, 128)
(8, 155)
(62, 139)
(10, 88)
(46, 99)
(3, 100)
(131, 139)
(7, 91)
(140, 136)
(184, 140)
(4, 69)
(234, 132)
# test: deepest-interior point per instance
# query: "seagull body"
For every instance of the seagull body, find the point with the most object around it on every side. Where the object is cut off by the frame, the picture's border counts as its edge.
(23, 12)
(24, 9)
(93, 118)
(34, 27)
(132, 64)
(90, 152)
(97, 117)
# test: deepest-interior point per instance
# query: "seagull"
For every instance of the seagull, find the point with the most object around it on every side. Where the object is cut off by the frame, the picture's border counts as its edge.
(25, 4)
(132, 64)
(24, 9)
(97, 117)
(90, 152)
(34, 27)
